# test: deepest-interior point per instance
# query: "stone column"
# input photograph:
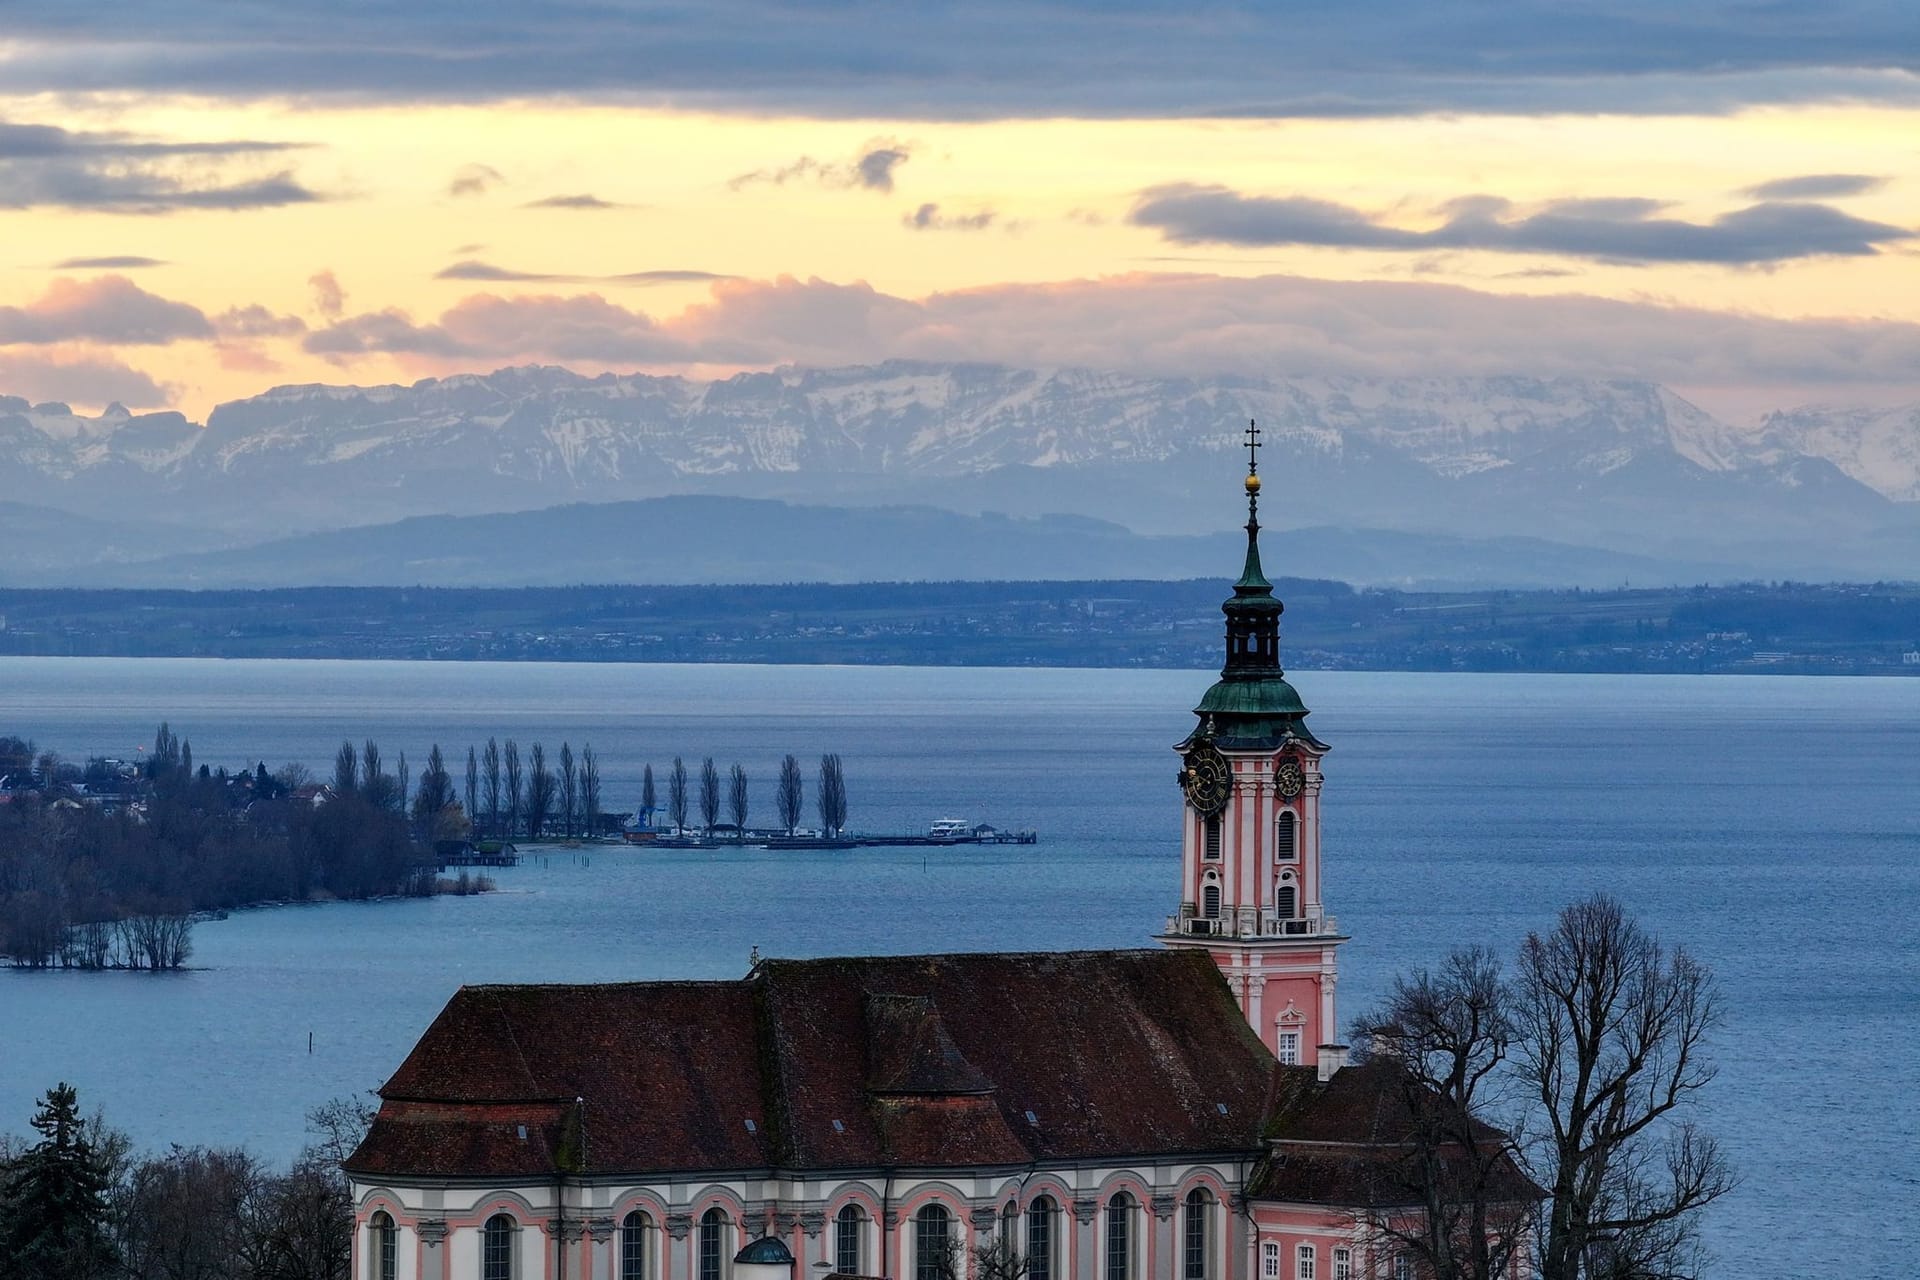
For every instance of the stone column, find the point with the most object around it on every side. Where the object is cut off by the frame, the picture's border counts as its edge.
(1163, 1234)
(1086, 1210)
(433, 1248)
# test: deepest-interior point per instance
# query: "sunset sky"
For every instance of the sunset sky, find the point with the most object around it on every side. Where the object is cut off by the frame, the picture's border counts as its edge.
(199, 201)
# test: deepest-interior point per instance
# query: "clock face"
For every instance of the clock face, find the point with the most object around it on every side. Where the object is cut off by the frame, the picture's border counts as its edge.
(1288, 780)
(1207, 778)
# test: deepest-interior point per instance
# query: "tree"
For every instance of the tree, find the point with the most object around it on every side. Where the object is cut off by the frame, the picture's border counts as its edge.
(55, 1225)
(473, 784)
(513, 786)
(346, 770)
(540, 789)
(400, 784)
(787, 796)
(709, 794)
(737, 798)
(649, 798)
(677, 795)
(434, 798)
(1610, 1044)
(590, 789)
(490, 773)
(374, 783)
(1447, 1036)
(831, 795)
(569, 789)
(1596, 1045)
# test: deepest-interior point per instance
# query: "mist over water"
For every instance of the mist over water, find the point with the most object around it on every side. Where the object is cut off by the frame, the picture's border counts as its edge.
(1772, 824)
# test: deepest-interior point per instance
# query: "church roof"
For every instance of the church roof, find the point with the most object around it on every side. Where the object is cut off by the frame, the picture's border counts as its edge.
(942, 1061)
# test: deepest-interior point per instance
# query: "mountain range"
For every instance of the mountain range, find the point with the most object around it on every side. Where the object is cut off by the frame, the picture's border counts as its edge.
(1616, 477)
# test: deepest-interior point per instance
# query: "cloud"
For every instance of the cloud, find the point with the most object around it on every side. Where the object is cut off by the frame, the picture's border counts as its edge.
(44, 166)
(486, 271)
(113, 262)
(79, 378)
(329, 299)
(584, 200)
(1817, 186)
(1162, 324)
(1122, 59)
(929, 218)
(871, 169)
(1610, 230)
(474, 180)
(106, 309)
(256, 321)
(586, 327)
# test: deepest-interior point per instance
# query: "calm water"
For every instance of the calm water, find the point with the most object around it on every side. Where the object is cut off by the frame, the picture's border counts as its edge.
(1773, 824)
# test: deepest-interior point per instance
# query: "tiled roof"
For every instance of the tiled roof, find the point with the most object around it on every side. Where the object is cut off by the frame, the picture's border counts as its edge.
(921, 1061)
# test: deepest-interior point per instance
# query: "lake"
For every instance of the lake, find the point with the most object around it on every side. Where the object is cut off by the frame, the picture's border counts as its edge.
(1772, 824)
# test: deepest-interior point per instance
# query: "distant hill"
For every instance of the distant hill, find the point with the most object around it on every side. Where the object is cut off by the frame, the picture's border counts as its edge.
(732, 540)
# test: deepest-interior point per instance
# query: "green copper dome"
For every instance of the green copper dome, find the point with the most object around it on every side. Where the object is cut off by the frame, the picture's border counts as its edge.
(766, 1251)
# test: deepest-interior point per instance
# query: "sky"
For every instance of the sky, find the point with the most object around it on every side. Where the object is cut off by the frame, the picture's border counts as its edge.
(201, 200)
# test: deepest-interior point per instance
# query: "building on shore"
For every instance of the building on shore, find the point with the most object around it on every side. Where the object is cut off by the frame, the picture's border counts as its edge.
(1182, 1112)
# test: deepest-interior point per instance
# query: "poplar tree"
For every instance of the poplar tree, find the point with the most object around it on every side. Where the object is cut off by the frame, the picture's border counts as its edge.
(709, 793)
(788, 796)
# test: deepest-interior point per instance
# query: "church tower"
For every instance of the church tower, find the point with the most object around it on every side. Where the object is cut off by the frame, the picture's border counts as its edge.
(1250, 888)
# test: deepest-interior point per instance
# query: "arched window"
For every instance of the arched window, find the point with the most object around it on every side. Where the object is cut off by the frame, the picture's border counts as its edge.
(1343, 1264)
(1210, 901)
(1304, 1260)
(1283, 848)
(1040, 1239)
(848, 1257)
(1194, 1254)
(635, 1245)
(932, 1230)
(384, 1250)
(1270, 1261)
(1284, 899)
(1120, 1237)
(496, 1248)
(713, 1244)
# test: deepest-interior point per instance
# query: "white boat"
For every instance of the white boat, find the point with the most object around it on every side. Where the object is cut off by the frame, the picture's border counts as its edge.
(949, 829)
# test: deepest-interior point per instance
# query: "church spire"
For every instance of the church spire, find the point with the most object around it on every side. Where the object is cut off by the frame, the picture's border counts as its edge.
(1253, 615)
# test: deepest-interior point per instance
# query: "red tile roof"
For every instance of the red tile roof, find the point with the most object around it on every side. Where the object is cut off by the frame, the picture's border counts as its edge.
(849, 1063)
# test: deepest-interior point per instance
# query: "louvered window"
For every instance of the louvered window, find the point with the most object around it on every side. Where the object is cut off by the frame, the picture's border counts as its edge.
(1213, 839)
(1284, 841)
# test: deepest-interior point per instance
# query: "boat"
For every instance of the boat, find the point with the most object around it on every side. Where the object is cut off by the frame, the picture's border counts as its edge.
(950, 829)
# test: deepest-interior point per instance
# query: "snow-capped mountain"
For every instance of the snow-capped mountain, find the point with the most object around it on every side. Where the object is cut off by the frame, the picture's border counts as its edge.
(1878, 447)
(1621, 464)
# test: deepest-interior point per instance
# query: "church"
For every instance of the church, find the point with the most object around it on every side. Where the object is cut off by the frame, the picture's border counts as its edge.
(1183, 1112)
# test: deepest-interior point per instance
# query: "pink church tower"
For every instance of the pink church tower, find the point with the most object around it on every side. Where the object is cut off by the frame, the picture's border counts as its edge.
(1250, 887)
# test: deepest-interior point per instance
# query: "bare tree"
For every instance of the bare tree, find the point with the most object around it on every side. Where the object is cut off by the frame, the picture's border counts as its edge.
(709, 794)
(569, 789)
(513, 787)
(590, 788)
(831, 795)
(1611, 1034)
(490, 784)
(737, 799)
(996, 1259)
(540, 789)
(435, 812)
(473, 785)
(346, 769)
(1462, 1209)
(400, 780)
(787, 797)
(649, 798)
(375, 785)
(677, 795)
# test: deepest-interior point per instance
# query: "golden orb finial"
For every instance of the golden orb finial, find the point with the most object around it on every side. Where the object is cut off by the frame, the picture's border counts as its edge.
(1253, 484)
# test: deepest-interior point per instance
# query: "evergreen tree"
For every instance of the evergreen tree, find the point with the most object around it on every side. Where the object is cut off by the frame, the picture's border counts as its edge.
(53, 1205)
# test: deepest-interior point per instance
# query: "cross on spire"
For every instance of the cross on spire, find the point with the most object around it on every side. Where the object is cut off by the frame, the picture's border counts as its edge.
(1252, 443)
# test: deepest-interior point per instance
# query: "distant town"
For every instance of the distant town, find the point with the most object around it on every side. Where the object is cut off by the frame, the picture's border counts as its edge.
(1773, 628)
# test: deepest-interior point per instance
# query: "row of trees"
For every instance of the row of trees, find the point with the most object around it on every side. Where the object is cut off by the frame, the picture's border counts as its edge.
(789, 796)
(77, 1205)
(506, 796)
